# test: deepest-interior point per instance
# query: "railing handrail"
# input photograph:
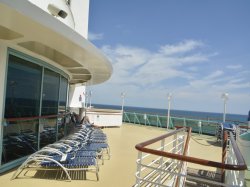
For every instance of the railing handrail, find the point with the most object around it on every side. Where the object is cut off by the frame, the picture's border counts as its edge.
(243, 127)
(142, 147)
(237, 152)
(151, 141)
(35, 117)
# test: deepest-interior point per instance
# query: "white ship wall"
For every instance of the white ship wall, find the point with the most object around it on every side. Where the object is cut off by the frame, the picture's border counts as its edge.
(78, 13)
(80, 10)
(77, 92)
(77, 19)
(105, 118)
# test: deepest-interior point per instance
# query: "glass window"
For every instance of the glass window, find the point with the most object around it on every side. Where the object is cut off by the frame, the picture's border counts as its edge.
(63, 94)
(22, 100)
(48, 127)
(47, 131)
(23, 88)
(50, 92)
(61, 121)
(19, 139)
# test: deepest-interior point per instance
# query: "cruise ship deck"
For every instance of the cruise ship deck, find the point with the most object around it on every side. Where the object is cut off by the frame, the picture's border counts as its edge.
(120, 169)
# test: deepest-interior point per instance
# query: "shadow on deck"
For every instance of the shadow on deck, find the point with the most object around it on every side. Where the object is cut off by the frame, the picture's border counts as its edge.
(202, 174)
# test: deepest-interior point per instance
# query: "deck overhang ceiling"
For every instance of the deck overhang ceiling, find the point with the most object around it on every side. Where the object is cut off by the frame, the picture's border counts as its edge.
(24, 25)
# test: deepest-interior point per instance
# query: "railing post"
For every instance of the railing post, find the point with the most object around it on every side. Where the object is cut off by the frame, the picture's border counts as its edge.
(158, 121)
(126, 116)
(139, 168)
(224, 154)
(171, 122)
(180, 163)
(145, 119)
(174, 147)
(136, 118)
(161, 160)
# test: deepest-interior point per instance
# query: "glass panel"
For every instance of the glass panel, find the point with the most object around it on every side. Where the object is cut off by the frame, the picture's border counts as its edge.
(49, 107)
(19, 139)
(22, 100)
(50, 93)
(62, 122)
(47, 131)
(63, 95)
(23, 88)
(23, 93)
(65, 126)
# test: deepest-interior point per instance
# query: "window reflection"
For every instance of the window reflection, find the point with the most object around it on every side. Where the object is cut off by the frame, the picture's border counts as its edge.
(50, 93)
(19, 139)
(62, 120)
(47, 131)
(63, 95)
(23, 88)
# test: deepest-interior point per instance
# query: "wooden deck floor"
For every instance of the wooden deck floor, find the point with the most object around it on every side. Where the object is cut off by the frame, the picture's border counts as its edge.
(120, 169)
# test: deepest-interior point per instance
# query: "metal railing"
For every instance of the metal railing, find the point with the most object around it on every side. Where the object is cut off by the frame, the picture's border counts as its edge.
(198, 125)
(155, 168)
(167, 164)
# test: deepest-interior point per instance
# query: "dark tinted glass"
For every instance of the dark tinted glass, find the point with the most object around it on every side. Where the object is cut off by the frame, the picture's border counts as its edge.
(50, 93)
(63, 95)
(23, 88)
(22, 100)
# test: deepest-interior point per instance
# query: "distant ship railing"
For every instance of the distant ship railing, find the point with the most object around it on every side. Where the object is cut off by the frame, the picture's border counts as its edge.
(166, 164)
(198, 125)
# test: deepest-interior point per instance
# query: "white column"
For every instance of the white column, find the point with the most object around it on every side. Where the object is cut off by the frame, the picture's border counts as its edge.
(3, 83)
(169, 105)
(123, 98)
(224, 96)
(90, 94)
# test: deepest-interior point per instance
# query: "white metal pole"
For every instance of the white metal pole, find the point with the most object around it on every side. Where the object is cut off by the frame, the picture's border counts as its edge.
(122, 96)
(169, 104)
(86, 100)
(224, 114)
(224, 96)
(90, 94)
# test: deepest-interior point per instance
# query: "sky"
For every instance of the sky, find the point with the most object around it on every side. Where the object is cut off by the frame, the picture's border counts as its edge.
(196, 50)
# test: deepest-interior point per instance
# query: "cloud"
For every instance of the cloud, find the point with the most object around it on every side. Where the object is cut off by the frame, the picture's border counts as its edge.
(95, 36)
(235, 66)
(186, 69)
(139, 66)
(182, 47)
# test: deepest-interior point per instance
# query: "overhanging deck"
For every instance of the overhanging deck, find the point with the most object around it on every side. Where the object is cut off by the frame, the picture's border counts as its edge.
(27, 27)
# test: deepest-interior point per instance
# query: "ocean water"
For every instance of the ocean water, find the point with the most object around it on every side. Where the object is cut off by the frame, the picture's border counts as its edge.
(237, 118)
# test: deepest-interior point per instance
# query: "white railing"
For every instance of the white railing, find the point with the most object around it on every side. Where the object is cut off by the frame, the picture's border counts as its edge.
(166, 164)
(158, 170)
